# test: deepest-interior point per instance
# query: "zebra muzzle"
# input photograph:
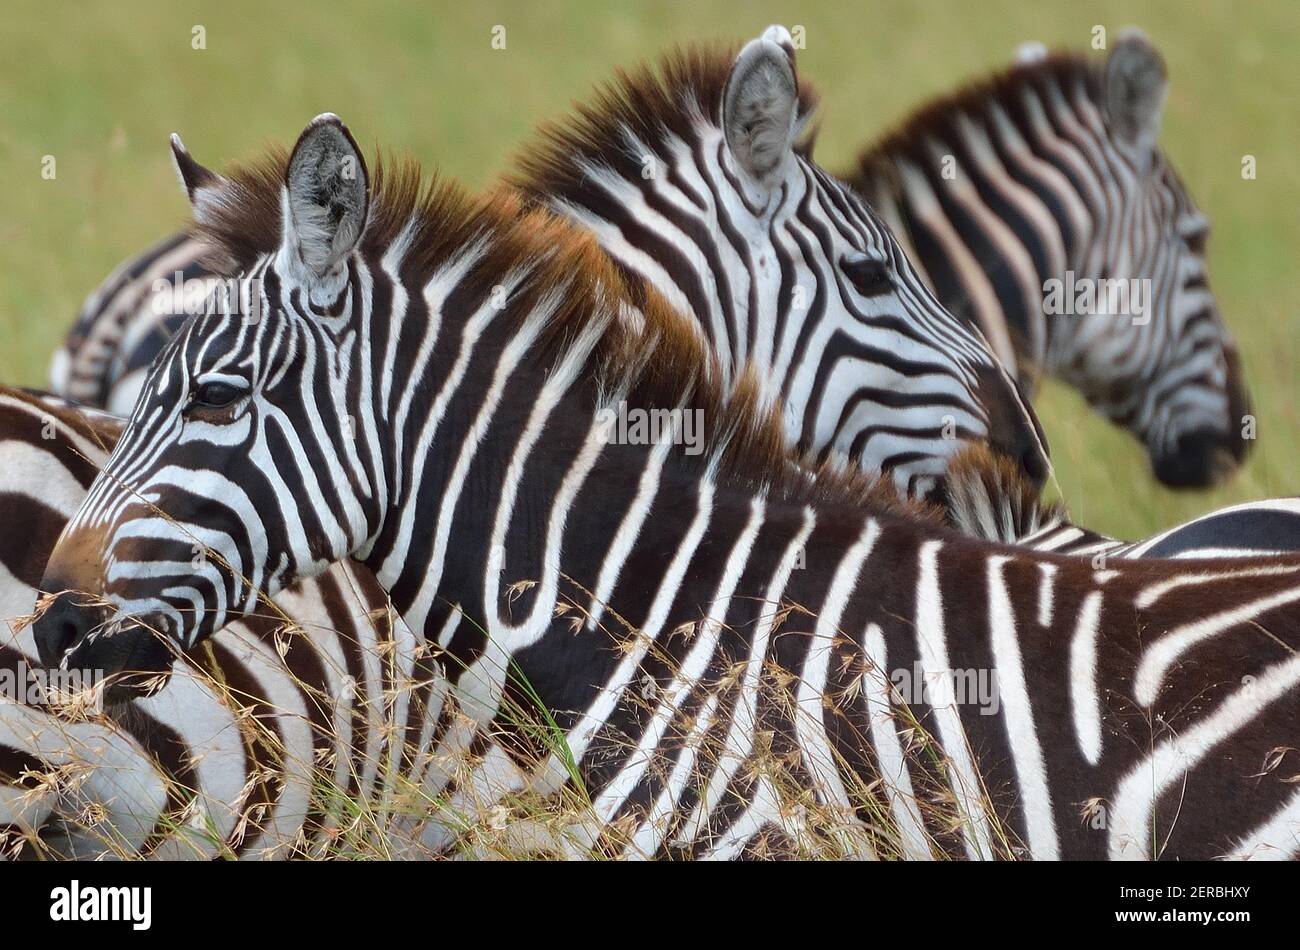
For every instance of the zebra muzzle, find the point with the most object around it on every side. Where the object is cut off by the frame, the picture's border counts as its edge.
(129, 656)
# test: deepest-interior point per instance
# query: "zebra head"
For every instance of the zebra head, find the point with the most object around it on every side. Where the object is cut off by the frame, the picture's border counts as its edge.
(240, 469)
(695, 179)
(1164, 367)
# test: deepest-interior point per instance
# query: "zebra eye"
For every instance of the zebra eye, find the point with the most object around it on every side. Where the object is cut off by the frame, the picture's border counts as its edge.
(869, 275)
(215, 396)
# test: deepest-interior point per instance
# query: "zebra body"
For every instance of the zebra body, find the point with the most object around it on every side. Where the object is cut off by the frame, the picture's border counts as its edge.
(1027, 195)
(687, 623)
(164, 780)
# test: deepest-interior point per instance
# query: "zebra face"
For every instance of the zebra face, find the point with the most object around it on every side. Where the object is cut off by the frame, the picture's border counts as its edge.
(240, 471)
(784, 267)
(872, 365)
(901, 385)
(1151, 353)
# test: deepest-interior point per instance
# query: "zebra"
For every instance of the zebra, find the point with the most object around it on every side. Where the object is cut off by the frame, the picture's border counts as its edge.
(698, 185)
(1022, 194)
(249, 753)
(396, 368)
(156, 778)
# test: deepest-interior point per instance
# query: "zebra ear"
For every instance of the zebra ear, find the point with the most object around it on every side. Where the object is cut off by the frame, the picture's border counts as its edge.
(1135, 88)
(202, 186)
(760, 105)
(327, 195)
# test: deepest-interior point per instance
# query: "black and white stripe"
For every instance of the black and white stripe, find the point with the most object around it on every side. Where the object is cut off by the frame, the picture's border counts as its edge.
(985, 499)
(692, 180)
(684, 622)
(125, 322)
(1048, 177)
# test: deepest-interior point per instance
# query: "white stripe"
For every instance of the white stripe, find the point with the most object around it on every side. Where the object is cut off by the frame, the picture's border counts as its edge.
(1165, 652)
(1018, 714)
(889, 751)
(1083, 678)
(1278, 839)
(1046, 593)
(933, 650)
(810, 711)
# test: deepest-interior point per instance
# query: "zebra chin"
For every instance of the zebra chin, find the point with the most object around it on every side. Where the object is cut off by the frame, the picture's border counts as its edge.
(130, 656)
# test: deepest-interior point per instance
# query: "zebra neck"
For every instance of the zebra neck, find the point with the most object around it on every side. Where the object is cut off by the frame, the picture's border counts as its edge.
(1001, 196)
(523, 522)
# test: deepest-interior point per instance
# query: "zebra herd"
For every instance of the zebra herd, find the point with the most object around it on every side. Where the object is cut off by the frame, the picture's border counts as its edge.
(366, 565)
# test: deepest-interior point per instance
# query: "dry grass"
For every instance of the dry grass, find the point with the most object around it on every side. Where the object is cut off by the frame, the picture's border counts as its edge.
(535, 805)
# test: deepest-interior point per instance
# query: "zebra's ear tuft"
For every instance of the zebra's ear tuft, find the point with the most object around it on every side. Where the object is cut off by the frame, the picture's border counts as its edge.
(1135, 89)
(1030, 51)
(760, 105)
(201, 184)
(327, 192)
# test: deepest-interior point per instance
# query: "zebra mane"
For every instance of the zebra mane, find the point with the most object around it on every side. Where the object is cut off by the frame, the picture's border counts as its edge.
(649, 107)
(659, 361)
(987, 497)
(936, 118)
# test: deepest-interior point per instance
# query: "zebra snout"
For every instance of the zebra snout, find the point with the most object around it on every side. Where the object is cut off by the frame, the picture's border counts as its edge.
(1200, 459)
(79, 632)
(64, 624)
(1014, 431)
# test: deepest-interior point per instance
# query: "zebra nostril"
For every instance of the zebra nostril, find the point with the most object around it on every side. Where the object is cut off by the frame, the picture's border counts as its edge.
(63, 624)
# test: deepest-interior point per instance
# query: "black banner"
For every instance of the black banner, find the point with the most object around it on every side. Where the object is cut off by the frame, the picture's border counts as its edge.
(260, 900)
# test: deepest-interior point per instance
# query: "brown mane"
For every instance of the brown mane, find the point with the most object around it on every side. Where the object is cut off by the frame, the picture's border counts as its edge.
(935, 119)
(988, 497)
(654, 104)
(666, 364)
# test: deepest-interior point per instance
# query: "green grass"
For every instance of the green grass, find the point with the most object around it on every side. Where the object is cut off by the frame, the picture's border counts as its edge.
(99, 86)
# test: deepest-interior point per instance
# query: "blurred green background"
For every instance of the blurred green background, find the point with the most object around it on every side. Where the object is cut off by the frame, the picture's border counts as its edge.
(100, 85)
